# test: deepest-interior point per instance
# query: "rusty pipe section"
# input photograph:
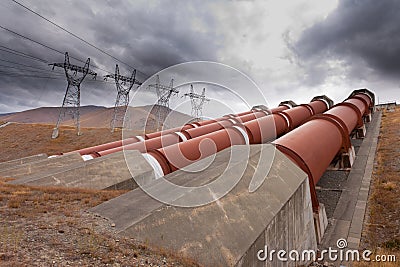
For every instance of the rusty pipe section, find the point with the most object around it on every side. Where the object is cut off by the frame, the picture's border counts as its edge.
(149, 144)
(177, 156)
(179, 134)
(299, 114)
(93, 149)
(268, 128)
(243, 116)
(279, 109)
(178, 129)
(258, 126)
(314, 145)
(169, 136)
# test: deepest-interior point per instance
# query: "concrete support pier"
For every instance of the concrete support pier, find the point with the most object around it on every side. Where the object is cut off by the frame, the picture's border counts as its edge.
(231, 230)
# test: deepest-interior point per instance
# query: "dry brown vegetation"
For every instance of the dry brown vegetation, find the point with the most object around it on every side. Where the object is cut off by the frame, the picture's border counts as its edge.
(48, 227)
(382, 226)
(21, 140)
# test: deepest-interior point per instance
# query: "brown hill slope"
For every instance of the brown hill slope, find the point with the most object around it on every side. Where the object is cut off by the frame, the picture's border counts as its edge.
(47, 115)
(21, 139)
(95, 116)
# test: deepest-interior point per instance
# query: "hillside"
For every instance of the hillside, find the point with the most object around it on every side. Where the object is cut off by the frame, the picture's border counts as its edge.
(46, 115)
(96, 116)
(23, 139)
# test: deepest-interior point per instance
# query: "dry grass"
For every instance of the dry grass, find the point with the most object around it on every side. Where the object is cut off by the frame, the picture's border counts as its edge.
(42, 226)
(382, 228)
(21, 140)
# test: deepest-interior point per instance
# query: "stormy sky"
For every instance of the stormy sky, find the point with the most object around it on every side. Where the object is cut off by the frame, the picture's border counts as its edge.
(291, 49)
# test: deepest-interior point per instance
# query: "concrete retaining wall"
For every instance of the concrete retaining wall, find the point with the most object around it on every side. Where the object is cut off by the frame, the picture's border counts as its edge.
(44, 165)
(230, 231)
(17, 162)
(108, 172)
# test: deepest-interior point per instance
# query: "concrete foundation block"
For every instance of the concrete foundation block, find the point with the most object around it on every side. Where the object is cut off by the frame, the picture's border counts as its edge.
(360, 132)
(320, 222)
(108, 172)
(17, 162)
(231, 230)
(42, 166)
(345, 160)
(368, 118)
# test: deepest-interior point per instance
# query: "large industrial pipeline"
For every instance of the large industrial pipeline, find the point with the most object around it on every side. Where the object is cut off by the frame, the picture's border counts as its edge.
(170, 136)
(251, 130)
(316, 143)
(281, 118)
(177, 135)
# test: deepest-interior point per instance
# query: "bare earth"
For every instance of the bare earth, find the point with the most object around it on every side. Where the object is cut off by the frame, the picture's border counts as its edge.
(382, 222)
(50, 226)
(21, 139)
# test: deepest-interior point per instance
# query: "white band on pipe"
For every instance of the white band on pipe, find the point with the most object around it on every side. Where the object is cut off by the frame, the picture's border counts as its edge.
(158, 172)
(326, 102)
(87, 157)
(243, 132)
(309, 108)
(230, 116)
(370, 97)
(265, 112)
(182, 136)
(233, 121)
(194, 125)
(268, 112)
(287, 105)
(141, 139)
(286, 118)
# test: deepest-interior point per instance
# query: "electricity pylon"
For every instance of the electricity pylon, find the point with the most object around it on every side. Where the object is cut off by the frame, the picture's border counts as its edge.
(197, 102)
(124, 85)
(164, 94)
(72, 95)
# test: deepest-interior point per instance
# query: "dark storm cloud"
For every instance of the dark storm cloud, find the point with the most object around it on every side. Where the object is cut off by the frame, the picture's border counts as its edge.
(360, 33)
(147, 36)
(159, 35)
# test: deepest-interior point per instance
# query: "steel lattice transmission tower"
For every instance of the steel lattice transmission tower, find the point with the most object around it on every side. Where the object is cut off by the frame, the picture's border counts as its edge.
(124, 85)
(72, 97)
(197, 102)
(164, 94)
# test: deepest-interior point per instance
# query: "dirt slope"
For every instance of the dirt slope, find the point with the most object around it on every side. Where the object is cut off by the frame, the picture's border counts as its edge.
(21, 140)
(95, 116)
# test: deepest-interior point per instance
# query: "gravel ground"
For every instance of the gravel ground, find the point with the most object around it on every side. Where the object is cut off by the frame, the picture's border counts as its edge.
(329, 189)
(330, 186)
(50, 227)
(356, 143)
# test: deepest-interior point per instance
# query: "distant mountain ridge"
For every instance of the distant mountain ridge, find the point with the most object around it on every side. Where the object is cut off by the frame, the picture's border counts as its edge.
(97, 116)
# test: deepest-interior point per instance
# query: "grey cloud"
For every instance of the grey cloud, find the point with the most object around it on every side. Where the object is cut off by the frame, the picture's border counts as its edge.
(147, 36)
(358, 32)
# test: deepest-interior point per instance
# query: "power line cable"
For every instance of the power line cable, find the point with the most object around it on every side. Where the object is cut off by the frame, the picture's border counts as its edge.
(32, 70)
(80, 38)
(24, 37)
(17, 63)
(39, 71)
(48, 47)
(18, 53)
(14, 74)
